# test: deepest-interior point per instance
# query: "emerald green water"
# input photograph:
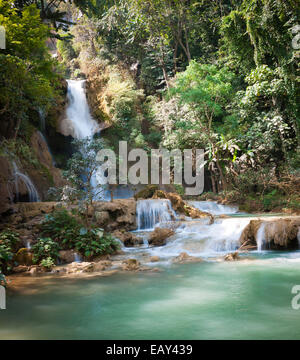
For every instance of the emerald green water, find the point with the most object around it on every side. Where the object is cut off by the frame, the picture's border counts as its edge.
(249, 299)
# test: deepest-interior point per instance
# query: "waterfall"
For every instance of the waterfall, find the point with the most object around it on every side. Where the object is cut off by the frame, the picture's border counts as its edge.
(45, 141)
(213, 207)
(78, 112)
(152, 212)
(261, 237)
(42, 120)
(80, 123)
(32, 192)
(77, 257)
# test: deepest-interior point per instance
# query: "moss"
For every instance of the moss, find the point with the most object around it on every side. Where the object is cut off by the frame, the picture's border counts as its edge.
(46, 172)
(147, 192)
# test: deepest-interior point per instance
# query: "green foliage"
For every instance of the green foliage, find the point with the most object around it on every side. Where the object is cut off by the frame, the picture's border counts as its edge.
(82, 167)
(61, 227)
(9, 240)
(45, 248)
(6, 256)
(68, 232)
(95, 243)
(27, 79)
(269, 127)
(47, 263)
(179, 189)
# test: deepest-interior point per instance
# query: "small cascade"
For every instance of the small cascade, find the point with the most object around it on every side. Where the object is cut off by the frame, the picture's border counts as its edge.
(77, 258)
(18, 176)
(28, 245)
(42, 120)
(198, 238)
(214, 208)
(151, 212)
(46, 142)
(261, 237)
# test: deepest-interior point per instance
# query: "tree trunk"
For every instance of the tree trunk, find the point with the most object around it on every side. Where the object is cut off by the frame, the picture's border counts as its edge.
(213, 182)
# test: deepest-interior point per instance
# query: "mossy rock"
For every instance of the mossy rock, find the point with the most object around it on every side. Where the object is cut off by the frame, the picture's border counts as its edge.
(23, 257)
(147, 192)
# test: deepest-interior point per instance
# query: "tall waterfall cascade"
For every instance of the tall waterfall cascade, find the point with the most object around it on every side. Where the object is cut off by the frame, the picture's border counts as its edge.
(79, 122)
(151, 212)
(79, 119)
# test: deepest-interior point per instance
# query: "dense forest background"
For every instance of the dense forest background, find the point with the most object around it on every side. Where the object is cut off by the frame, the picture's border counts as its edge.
(221, 75)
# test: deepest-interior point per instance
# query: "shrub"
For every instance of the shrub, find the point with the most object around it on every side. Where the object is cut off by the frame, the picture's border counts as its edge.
(67, 231)
(9, 237)
(94, 243)
(44, 249)
(6, 256)
(62, 227)
(8, 243)
(47, 263)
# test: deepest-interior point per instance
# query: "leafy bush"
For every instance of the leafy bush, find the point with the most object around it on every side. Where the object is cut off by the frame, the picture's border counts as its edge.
(47, 263)
(68, 233)
(6, 256)
(9, 237)
(8, 242)
(94, 243)
(61, 227)
(45, 248)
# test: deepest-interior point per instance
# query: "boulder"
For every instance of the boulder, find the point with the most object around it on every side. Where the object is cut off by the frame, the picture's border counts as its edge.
(102, 265)
(127, 238)
(146, 193)
(33, 270)
(67, 256)
(278, 233)
(80, 267)
(23, 257)
(154, 259)
(184, 258)
(232, 256)
(116, 214)
(20, 269)
(131, 265)
(159, 236)
(102, 217)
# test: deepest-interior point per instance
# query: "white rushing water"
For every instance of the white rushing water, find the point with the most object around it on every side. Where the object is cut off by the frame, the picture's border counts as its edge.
(77, 257)
(261, 237)
(81, 123)
(46, 143)
(196, 237)
(214, 208)
(19, 176)
(152, 212)
(199, 239)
